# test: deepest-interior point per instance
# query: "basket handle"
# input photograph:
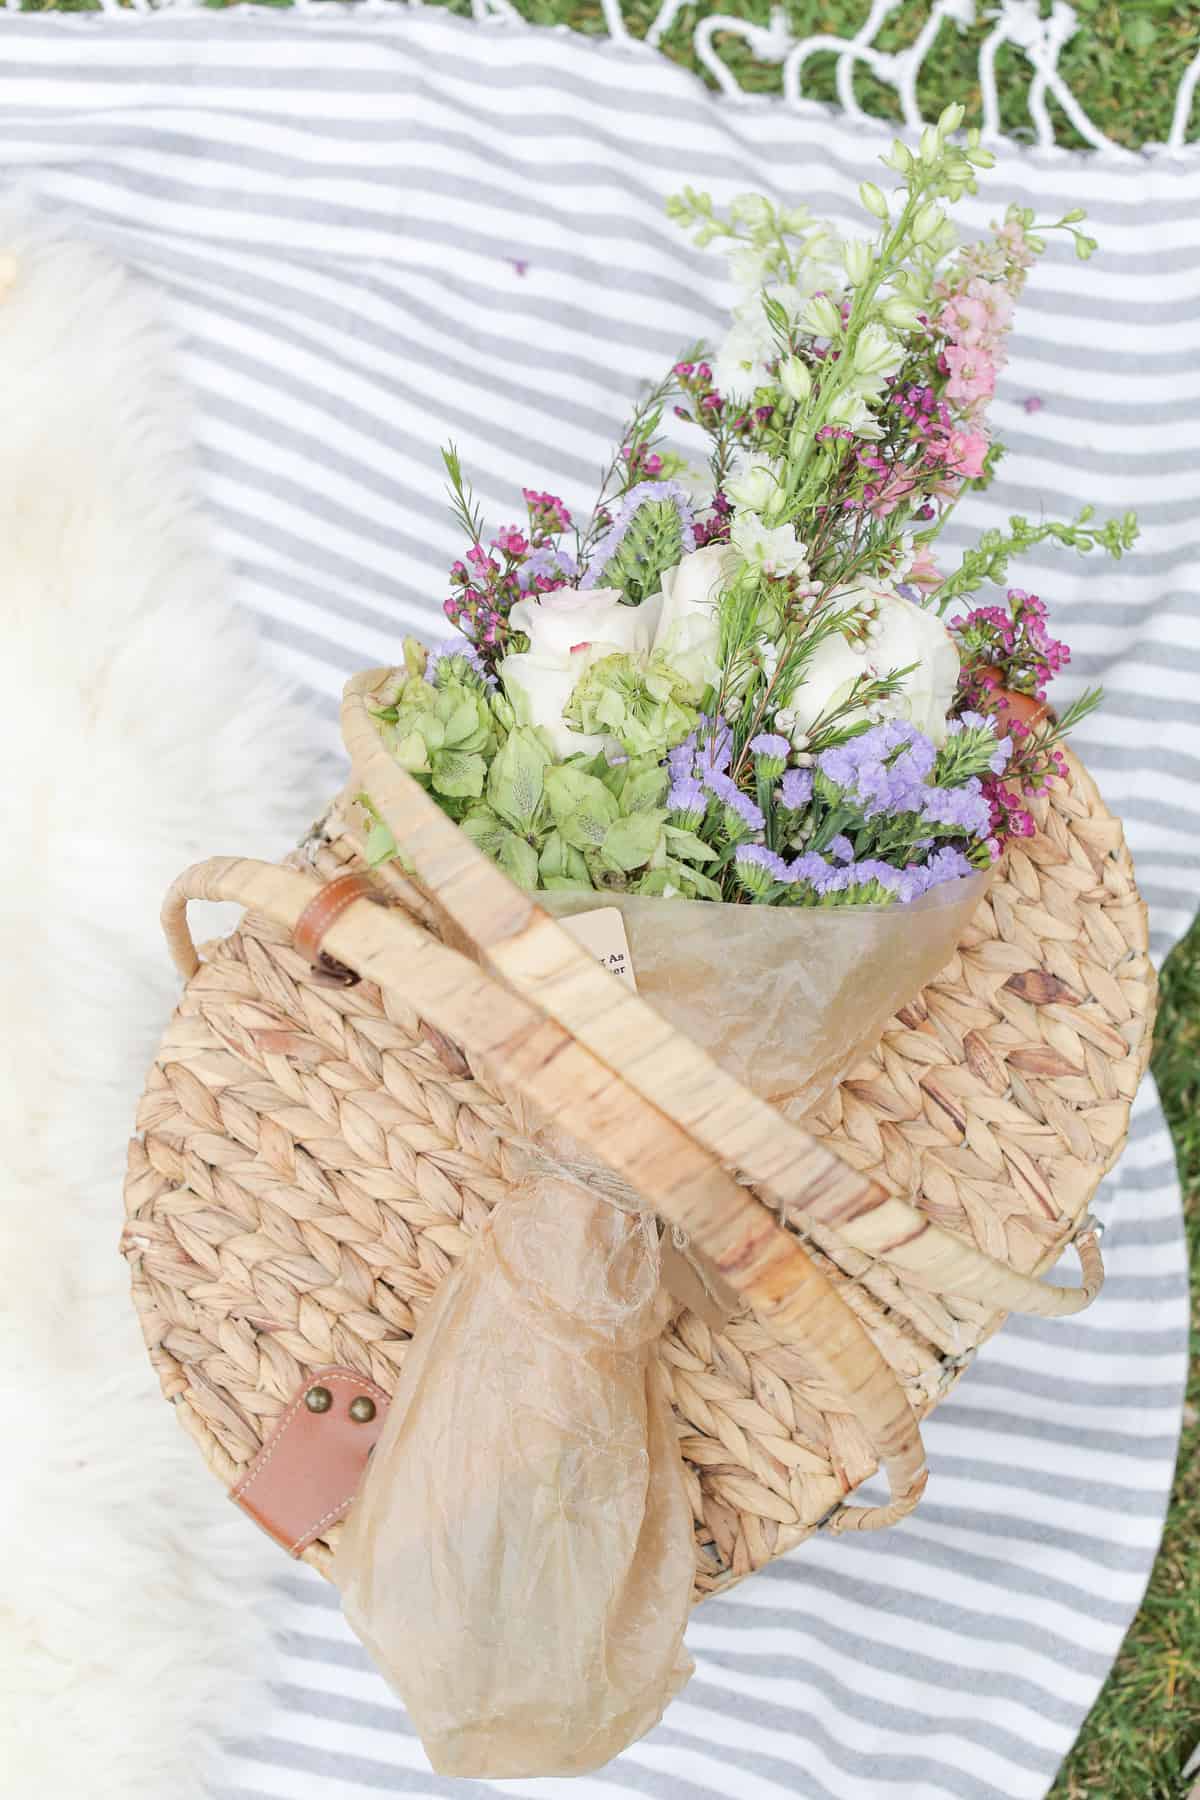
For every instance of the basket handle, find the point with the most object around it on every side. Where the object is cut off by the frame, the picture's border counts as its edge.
(567, 1083)
(797, 1175)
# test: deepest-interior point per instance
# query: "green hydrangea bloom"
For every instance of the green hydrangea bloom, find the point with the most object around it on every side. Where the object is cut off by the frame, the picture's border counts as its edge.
(446, 734)
(645, 706)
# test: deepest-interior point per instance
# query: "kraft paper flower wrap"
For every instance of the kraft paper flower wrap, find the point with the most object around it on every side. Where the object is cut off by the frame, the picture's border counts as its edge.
(737, 712)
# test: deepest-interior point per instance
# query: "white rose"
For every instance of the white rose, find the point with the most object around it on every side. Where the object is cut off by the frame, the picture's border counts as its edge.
(903, 634)
(686, 628)
(572, 628)
(568, 630)
(560, 622)
(773, 548)
(915, 634)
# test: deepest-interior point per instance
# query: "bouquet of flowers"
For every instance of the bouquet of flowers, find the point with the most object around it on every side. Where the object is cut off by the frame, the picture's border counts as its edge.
(751, 681)
(745, 706)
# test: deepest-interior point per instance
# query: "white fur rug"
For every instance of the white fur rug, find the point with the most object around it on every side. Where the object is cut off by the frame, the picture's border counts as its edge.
(137, 735)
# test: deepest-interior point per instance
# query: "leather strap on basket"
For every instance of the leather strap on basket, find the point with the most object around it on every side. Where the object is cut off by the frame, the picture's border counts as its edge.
(310, 1467)
(323, 911)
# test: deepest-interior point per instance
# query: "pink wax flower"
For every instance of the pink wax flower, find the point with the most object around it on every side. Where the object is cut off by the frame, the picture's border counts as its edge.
(884, 500)
(511, 541)
(972, 374)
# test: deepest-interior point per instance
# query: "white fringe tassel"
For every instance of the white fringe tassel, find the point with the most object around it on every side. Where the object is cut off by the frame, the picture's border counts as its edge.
(1016, 22)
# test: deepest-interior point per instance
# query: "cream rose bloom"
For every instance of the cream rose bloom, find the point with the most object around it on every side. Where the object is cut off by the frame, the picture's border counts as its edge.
(568, 630)
(571, 628)
(902, 633)
(685, 625)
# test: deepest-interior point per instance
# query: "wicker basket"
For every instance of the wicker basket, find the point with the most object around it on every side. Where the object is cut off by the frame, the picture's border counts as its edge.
(313, 1158)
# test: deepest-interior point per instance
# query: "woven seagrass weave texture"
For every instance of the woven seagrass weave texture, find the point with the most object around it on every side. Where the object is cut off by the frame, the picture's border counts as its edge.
(311, 1162)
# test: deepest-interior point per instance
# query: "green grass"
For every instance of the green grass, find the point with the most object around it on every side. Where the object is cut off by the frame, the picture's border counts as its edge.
(1147, 1720)
(1124, 66)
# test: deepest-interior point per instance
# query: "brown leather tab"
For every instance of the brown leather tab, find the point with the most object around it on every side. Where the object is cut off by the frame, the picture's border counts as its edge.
(309, 1469)
(322, 911)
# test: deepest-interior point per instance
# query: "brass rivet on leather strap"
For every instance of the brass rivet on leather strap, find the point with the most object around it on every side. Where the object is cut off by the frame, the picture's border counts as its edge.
(362, 1409)
(318, 1399)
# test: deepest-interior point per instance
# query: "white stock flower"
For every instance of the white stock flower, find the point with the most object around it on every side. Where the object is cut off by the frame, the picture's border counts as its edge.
(755, 484)
(902, 633)
(740, 365)
(773, 548)
(851, 410)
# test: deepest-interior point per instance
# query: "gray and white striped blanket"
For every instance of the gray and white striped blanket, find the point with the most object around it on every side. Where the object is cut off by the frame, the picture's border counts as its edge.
(379, 229)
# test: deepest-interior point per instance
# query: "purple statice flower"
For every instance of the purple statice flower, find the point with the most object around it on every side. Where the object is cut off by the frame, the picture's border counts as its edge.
(902, 884)
(945, 865)
(882, 770)
(545, 567)
(715, 744)
(770, 752)
(795, 790)
(999, 759)
(841, 849)
(835, 880)
(809, 867)
(450, 649)
(758, 868)
(732, 798)
(672, 492)
(964, 808)
(681, 762)
(688, 801)
(973, 721)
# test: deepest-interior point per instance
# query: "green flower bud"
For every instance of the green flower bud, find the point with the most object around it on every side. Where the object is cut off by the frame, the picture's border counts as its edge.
(902, 315)
(751, 210)
(857, 257)
(874, 351)
(926, 222)
(795, 380)
(951, 118)
(873, 199)
(899, 157)
(822, 317)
